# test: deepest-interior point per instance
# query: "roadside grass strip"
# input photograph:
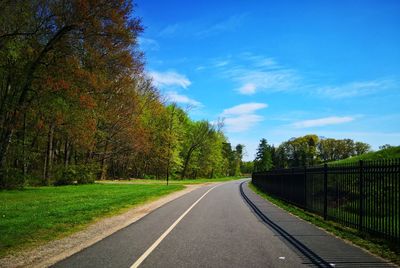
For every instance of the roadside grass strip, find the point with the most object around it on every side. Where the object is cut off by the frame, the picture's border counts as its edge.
(33, 216)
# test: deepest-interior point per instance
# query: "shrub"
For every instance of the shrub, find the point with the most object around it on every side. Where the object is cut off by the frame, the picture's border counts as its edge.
(11, 178)
(149, 177)
(80, 174)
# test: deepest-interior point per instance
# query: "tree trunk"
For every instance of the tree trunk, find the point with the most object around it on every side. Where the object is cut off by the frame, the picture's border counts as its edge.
(24, 162)
(185, 165)
(66, 152)
(103, 166)
(49, 155)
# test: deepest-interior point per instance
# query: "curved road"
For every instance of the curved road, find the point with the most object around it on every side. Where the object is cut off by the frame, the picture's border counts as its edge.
(213, 226)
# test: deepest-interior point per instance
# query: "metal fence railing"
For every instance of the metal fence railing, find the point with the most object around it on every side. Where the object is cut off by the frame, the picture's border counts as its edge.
(364, 195)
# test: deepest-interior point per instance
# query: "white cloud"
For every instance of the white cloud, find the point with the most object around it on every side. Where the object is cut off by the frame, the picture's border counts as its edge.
(356, 88)
(332, 120)
(247, 89)
(169, 78)
(174, 96)
(242, 123)
(242, 117)
(245, 108)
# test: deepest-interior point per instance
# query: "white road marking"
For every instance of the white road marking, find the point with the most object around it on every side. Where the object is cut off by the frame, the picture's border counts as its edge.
(161, 238)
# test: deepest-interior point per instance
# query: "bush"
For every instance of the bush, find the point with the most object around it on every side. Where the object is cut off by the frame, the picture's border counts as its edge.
(149, 177)
(79, 174)
(11, 178)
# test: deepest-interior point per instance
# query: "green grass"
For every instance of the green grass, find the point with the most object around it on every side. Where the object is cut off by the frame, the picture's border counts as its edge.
(379, 247)
(174, 182)
(389, 153)
(33, 216)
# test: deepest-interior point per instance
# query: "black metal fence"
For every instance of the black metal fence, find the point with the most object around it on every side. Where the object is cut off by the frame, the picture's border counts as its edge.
(363, 195)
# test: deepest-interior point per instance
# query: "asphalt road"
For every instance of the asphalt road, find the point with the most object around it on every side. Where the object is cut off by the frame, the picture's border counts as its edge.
(221, 226)
(221, 230)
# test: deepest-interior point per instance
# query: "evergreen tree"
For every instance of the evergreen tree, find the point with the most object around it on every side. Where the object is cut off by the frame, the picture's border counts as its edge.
(263, 161)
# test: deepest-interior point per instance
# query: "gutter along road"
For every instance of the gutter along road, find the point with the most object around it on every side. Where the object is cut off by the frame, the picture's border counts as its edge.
(213, 226)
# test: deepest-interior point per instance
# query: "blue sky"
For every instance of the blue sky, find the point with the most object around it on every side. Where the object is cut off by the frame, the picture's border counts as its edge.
(279, 69)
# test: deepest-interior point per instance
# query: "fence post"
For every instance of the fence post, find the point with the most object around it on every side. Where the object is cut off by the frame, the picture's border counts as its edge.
(305, 186)
(325, 191)
(361, 195)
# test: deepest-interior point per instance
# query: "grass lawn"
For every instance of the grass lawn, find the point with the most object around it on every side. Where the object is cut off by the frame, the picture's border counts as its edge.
(378, 247)
(35, 215)
(172, 182)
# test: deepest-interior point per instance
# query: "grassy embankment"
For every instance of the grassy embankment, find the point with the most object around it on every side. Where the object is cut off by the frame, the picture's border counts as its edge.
(379, 247)
(389, 153)
(36, 215)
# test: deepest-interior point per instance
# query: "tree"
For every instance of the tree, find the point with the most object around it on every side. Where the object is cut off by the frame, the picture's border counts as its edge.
(247, 167)
(196, 137)
(361, 148)
(65, 53)
(238, 158)
(263, 160)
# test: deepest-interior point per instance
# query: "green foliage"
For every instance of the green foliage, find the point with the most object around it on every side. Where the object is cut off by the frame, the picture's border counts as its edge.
(247, 167)
(308, 150)
(79, 174)
(74, 94)
(11, 178)
(263, 161)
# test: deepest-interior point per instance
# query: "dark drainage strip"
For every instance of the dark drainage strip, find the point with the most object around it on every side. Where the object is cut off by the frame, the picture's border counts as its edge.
(308, 253)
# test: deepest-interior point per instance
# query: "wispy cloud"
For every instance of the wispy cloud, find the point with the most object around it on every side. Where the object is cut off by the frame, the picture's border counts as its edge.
(242, 117)
(202, 29)
(245, 108)
(259, 60)
(170, 30)
(221, 63)
(226, 25)
(169, 78)
(255, 73)
(148, 44)
(360, 88)
(174, 96)
(332, 120)
(255, 80)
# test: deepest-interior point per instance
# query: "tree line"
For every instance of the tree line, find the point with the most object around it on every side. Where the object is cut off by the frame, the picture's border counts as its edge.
(308, 150)
(76, 104)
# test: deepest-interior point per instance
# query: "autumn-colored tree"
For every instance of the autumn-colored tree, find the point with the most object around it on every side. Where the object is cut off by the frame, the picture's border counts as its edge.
(74, 98)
